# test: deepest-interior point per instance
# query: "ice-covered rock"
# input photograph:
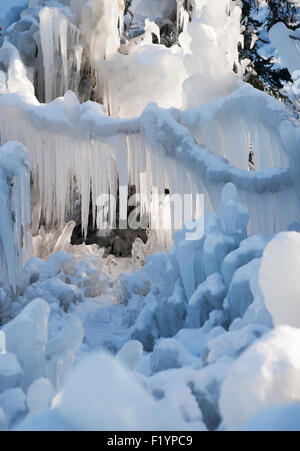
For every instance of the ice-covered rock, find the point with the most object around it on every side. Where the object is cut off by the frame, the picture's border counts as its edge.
(40, 395)
(265, 375)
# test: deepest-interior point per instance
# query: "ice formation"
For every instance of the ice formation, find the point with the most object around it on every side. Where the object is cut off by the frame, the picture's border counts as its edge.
(107, 100)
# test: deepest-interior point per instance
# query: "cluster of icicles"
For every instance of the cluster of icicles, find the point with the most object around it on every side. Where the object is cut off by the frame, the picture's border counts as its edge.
(72, 144)
(85, 34)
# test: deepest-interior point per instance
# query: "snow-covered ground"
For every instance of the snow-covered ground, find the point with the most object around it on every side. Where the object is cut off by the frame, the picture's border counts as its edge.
(200, 328)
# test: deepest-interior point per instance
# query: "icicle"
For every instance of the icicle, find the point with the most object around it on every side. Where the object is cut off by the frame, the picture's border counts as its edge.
(70, 142)
(61, 52)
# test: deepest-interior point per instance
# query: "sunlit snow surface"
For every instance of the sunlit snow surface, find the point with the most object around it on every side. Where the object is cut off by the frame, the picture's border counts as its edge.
(203, 336)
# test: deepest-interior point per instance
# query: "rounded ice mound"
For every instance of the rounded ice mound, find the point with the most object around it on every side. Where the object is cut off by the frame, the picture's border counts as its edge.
(264, 376)
(169, 353)
(130, 353)
(279, 278)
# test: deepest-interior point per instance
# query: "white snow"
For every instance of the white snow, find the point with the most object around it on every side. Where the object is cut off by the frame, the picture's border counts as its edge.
(199, 329)
(265, 375)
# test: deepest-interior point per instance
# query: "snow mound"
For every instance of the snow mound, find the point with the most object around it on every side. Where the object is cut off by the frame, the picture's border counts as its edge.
(264, 376)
